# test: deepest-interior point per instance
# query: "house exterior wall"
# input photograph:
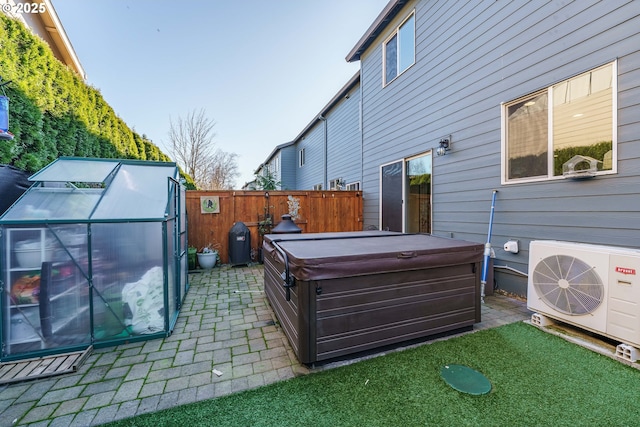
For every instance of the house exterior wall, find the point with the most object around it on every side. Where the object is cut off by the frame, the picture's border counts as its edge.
(288, 162)
(344, 142)
(43, 21)
(312, 172)
(273, 166)
(470, 58)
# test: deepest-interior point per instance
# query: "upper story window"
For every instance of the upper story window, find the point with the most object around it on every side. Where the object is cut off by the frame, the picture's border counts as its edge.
(399, 50)
(274, 166)
(544, 130)
(301, 157)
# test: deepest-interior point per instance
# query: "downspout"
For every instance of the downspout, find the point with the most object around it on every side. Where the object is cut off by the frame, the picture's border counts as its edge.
(361, 126)
(325, 183)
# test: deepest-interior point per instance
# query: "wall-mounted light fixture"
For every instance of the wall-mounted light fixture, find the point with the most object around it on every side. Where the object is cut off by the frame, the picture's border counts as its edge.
(444, 146)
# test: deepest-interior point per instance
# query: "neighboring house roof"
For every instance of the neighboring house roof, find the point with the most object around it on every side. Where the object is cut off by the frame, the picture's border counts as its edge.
(273, 153)
(388, 13)
(343, 92)
(47, 25)
(353, 81)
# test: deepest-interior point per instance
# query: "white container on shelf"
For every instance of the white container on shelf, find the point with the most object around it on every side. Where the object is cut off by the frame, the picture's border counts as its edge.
(28, 253)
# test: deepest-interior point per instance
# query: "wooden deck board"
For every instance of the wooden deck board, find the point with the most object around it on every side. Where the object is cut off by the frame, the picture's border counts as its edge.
(31, 369)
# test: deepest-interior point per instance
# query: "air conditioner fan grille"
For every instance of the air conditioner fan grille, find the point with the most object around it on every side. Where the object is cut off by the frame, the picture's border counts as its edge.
(568, 285)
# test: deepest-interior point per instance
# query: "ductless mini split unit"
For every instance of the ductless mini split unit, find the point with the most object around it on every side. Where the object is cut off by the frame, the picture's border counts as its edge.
(594, 287)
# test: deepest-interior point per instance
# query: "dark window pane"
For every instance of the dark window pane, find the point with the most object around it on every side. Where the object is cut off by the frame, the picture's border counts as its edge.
(391, 59)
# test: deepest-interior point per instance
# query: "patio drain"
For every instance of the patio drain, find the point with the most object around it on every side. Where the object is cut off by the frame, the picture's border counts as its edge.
(465, 379)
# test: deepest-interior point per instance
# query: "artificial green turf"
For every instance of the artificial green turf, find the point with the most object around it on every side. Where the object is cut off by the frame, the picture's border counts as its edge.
(537, 380)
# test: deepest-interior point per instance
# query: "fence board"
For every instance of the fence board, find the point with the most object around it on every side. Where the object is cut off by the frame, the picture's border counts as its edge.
(318, 211)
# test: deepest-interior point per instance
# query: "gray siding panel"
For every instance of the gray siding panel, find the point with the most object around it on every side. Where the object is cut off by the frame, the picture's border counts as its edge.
(312, 172)
(289, 156)
(344, 149)
(470, 58)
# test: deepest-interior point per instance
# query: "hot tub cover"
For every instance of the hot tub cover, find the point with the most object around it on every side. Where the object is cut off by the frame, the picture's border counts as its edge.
(345, 254)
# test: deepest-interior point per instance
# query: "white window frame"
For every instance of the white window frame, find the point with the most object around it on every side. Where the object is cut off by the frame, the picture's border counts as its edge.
(317, 187)
(550, 176)
(405, 189)
(336, 183)
(353, 186)
(301, 157)
(397, 32)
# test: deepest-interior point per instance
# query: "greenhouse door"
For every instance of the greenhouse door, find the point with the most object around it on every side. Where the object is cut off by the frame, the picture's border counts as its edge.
(180, 249)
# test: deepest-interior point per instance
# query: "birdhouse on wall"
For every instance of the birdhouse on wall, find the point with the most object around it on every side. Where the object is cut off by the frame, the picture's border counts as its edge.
(580, 167)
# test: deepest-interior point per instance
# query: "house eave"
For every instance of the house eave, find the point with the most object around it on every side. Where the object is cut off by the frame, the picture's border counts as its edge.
(342, 93)
(388, 13)
(47, 25)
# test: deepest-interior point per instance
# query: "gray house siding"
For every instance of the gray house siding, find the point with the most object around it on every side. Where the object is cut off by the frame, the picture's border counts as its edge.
(288, 159)
(312, 172)
(344, 148)
(331, 142)
(472, 57)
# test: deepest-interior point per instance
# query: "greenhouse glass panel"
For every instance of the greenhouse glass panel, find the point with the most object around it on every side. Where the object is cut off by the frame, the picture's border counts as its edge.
(172, 291)
(46, 203)
(136, 192)
(128, 277)
(48, 304)
(75, 170)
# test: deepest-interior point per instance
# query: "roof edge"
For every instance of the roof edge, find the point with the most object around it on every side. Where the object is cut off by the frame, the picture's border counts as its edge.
(354, 80)
(388, 13)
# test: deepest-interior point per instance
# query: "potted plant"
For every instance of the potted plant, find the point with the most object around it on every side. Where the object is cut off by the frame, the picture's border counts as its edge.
(191, 257)
(265, 223)
(208, 257)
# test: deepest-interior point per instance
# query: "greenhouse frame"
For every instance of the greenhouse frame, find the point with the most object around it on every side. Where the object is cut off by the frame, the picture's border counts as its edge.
(92, 254)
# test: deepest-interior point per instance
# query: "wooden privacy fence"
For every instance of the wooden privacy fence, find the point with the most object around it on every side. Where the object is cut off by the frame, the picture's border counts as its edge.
(211, 214)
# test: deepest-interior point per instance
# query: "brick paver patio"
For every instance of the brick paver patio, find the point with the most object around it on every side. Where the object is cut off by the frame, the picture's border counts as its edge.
(226, 340)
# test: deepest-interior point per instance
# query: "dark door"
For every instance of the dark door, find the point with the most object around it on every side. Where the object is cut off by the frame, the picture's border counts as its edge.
(391, 197)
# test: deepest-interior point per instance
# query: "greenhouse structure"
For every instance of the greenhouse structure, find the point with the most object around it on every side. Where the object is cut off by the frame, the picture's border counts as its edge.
(92, 254)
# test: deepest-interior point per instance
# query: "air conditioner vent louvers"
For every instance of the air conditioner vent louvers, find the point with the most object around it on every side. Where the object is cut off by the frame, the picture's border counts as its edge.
(568, 284)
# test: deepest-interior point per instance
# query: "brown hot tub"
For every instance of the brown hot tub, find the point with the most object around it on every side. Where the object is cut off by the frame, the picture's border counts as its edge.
(341, 293)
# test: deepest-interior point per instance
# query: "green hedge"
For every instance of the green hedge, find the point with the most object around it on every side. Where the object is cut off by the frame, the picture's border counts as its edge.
(54, 113)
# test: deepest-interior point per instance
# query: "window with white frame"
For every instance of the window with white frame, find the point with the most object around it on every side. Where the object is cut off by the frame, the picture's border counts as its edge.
(353, 186)
(317, 187)
(546, 130)
(399, 50)
(336, 184)
(301, 157)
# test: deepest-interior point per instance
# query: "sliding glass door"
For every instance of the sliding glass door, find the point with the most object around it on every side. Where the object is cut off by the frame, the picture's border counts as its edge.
(418, 189)
(405, 195)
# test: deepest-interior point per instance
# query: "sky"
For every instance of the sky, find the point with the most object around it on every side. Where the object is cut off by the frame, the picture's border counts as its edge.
(260, 69)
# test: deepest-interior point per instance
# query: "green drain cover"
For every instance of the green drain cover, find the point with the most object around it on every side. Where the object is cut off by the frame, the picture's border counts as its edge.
(465, 379)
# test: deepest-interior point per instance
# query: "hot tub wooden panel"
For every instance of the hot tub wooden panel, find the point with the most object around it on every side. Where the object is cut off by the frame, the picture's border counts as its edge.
(403, 298)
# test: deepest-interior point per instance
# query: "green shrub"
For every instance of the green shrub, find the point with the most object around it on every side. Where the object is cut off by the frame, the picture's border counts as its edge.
(54, 113)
